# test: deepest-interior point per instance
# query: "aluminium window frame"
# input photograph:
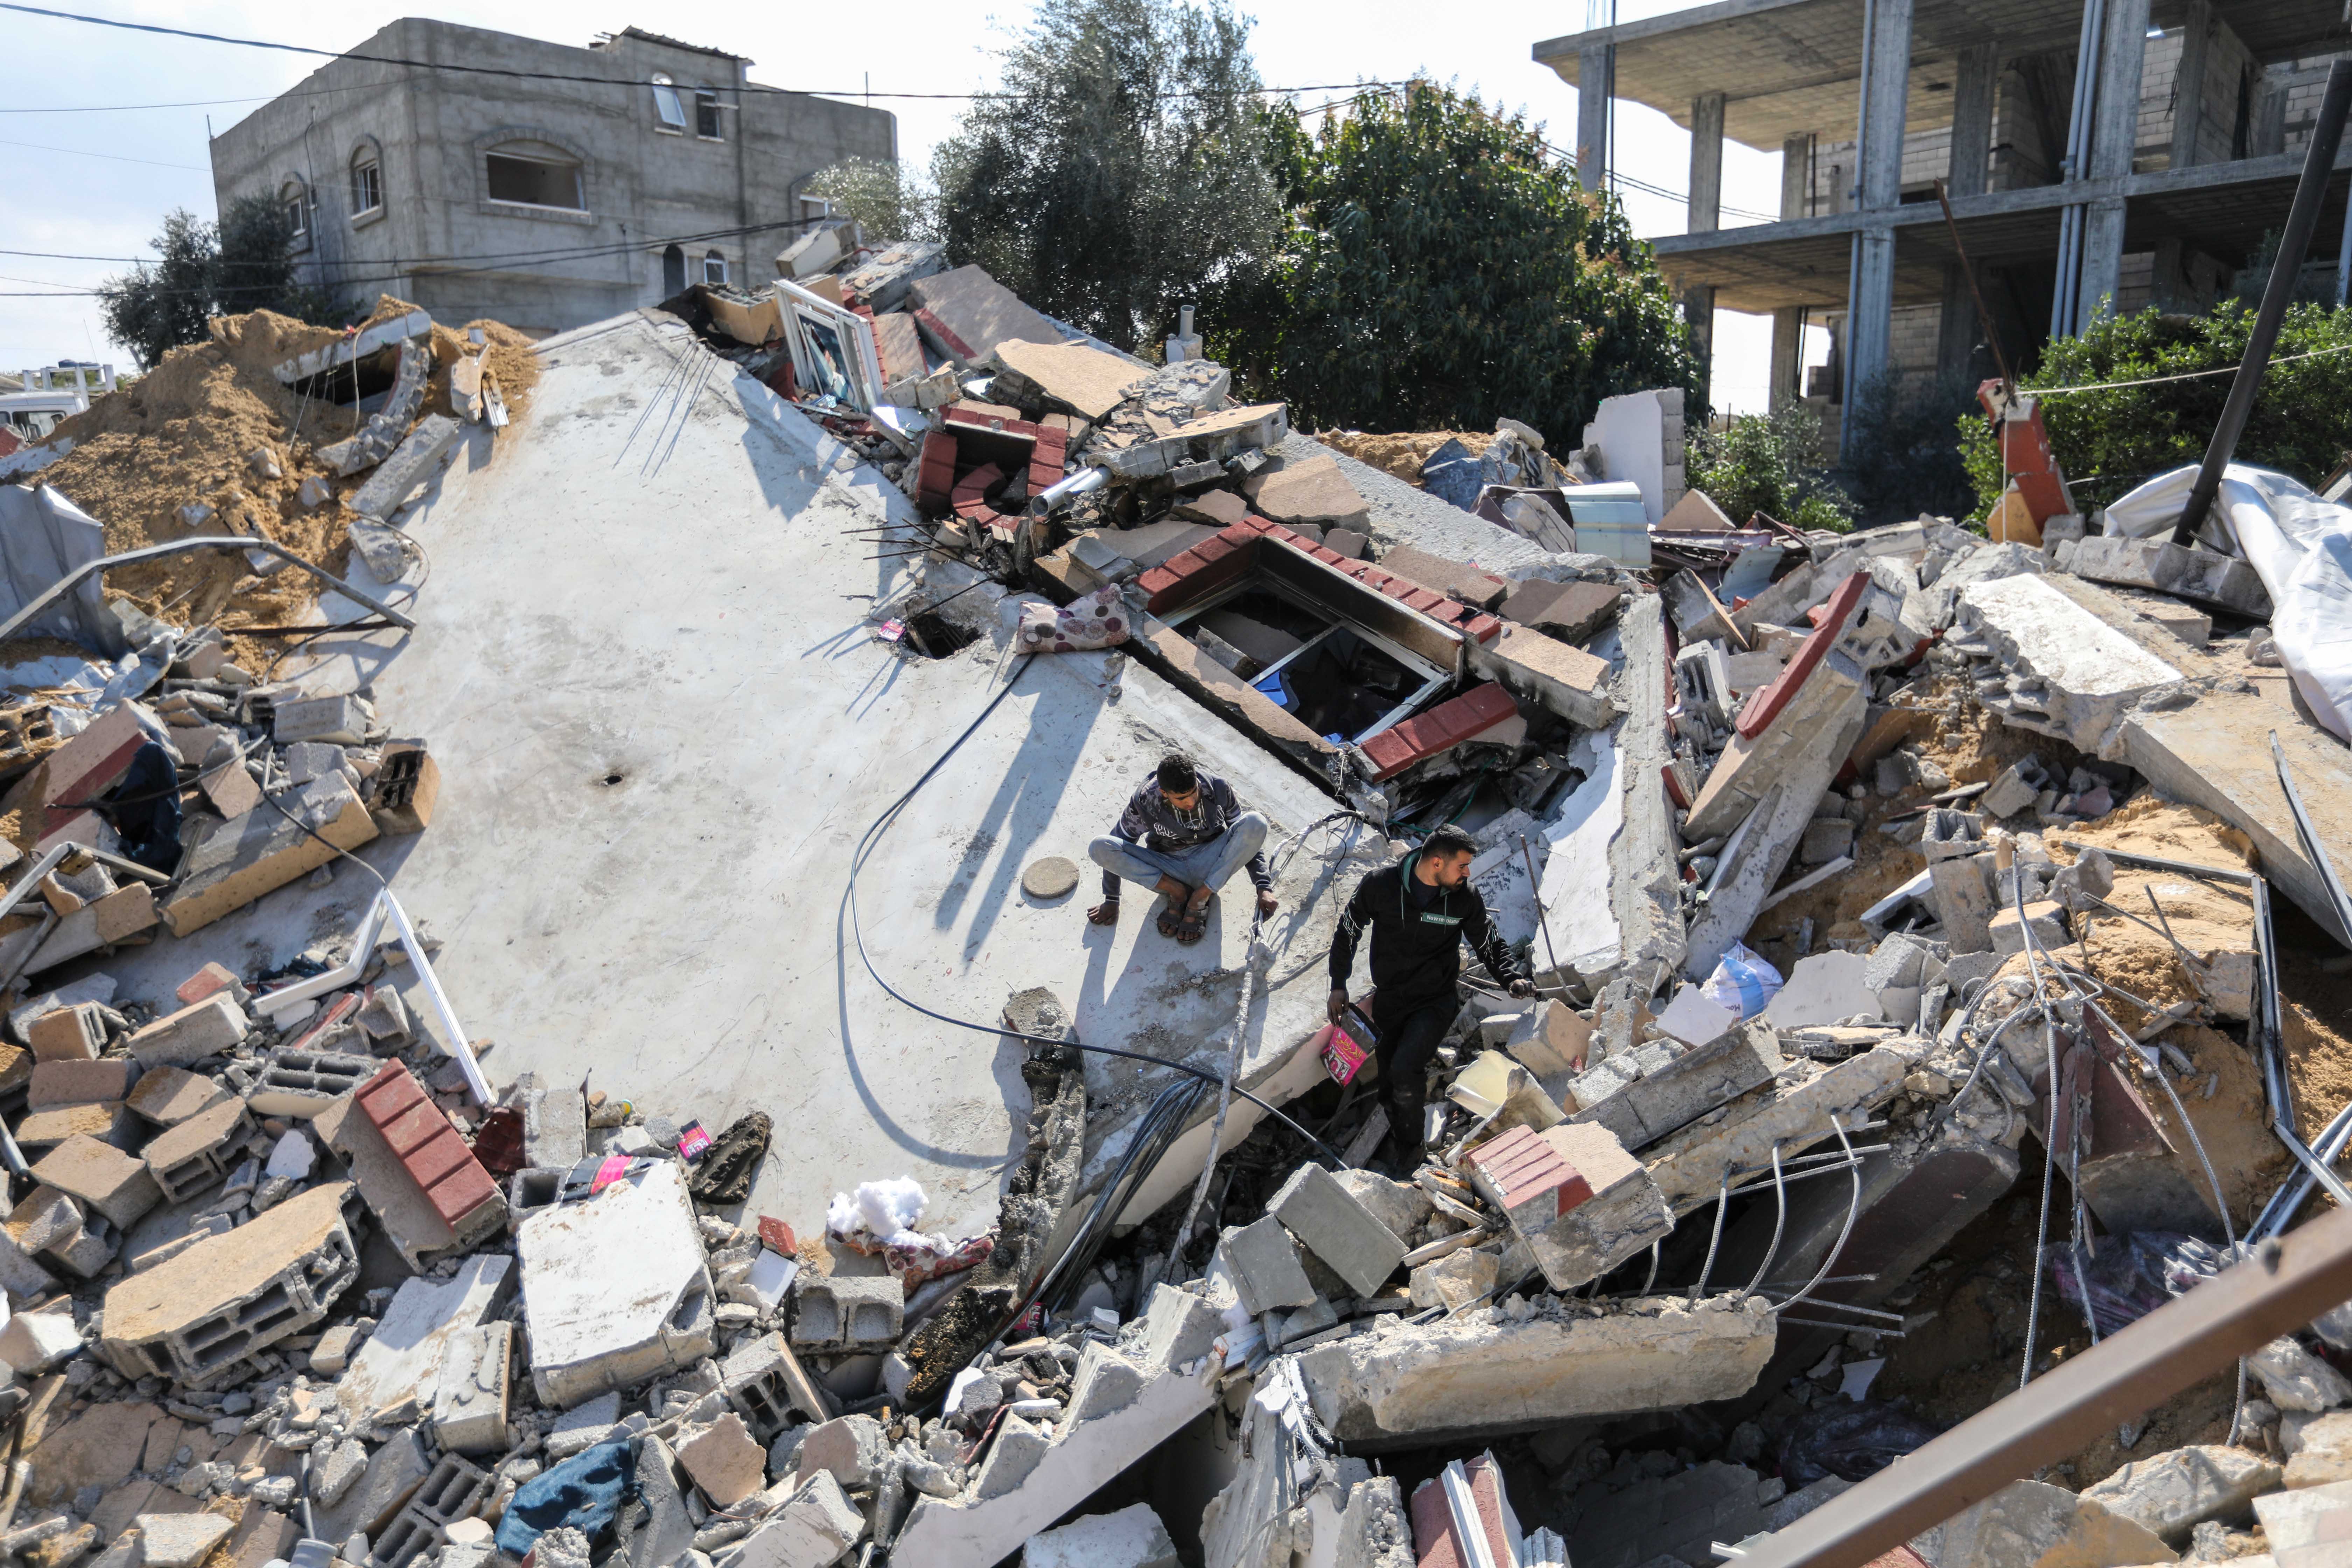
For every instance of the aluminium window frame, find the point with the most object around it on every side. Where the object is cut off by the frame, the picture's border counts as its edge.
(798, 307)
(665, 104)
(1433, 680)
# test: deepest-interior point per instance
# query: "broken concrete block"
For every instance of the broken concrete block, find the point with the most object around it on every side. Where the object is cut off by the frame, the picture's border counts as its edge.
(2295, 1379)
(2059, 668)
(592, 1329)
(1820, 699)
(186, 1159)
(1327, 1218)
(1103, 1382)
(1018, 1449)
(965, 313)
(1694, 1019)
(342, 721)
(471, 1400)
(1826, 839)
(852, 1449)
(1678, 1093)
(169, 1096)
(1802, 1106)
(210, 1027)
(1457, 581)
(302, 1083)
(180, 1540)
(403, 1360)
(1178, 1328)
(198, 1315)
(67, 1034)
(1572, 1193)
(21, 1276)
(44, 1129)
(2306, 1529)
(1455, 1280)
(1824, 988)
(1963, 902)
(764, 1382)
(236, 862)
(554, 1123)
(1549, 673)
(2027, 1523)
(2208, 576)
(33, 1342)
(80, 1082)
(724, 1460)
(101, 1178)
(847, 1312)
(1458, 1377)
(411, 464)
(1307, 489)
(394, 1474)
(1264, 1263)
(1132, 1538)
(418, 1175)
(451, 1491)
(2171, 1493)
(814, 1530)
(2046, 918)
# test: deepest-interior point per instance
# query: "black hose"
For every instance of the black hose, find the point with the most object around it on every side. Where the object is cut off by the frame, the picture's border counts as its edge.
(871, 840)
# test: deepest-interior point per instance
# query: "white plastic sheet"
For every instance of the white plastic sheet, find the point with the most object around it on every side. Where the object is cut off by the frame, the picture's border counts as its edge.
(44, 538)
(2301, 547)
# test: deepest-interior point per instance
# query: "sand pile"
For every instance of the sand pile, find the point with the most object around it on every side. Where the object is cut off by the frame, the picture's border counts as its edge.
(1402, 454)
(509, 358)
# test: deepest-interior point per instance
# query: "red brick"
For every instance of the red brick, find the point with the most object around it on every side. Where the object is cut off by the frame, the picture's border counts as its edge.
(212, 977)
(1441, 729)
(1156, 581)
(1483, 628)
(466, 1189)
(1286, 535)
(414, 1127)
(1373, 577)
(1424, 600)
(1050, 439)
(955, 345)
(1327, 555)
(1255, 524)
(976, 484)
(434, 1159)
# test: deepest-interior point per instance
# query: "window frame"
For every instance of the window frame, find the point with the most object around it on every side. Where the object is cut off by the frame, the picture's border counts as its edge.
(366, 156)
(665, 104)
(711, 258)
(708, 101)
(579, 180)
(295, 194)
(546, 147)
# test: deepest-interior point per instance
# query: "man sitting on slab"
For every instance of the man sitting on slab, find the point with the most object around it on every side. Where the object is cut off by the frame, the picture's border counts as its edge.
(1184, 834)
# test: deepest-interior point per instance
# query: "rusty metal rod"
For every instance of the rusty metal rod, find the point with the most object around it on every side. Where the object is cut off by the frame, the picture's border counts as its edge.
(2286, 1283)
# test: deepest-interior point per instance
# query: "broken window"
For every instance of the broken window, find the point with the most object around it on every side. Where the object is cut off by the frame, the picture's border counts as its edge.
(832, 349)
(667, 105)
(367, 182)
(705, 115)
(714, 267)
(673, 271)
(1340, 678)
(295, 202)
(531, 173)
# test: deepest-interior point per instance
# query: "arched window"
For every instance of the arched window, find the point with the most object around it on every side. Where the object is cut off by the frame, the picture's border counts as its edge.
(673, 272)
(367, 181)
(714, 267)
(294, 200)
(534, 174)
(667, 105)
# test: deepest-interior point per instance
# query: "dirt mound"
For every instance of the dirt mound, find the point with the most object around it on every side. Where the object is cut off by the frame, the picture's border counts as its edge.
(509, 358)
(1402, 454)
(188, 433)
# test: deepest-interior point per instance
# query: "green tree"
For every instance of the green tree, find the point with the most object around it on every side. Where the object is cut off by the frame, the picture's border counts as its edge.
(1121, 174)
(1439, 269)
(1770, 463)
(2112, 436)
(245, 262)
(888, 202)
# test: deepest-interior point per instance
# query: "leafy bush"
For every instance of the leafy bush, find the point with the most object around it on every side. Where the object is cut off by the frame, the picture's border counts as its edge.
(244, 262)
(1771, 464)
(2110, 438)
(1900, 460)
(1439, 269)
(888, 200)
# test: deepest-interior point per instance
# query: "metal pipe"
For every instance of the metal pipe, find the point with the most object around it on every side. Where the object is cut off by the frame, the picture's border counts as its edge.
(15, 624)
(2285, 1284)
(2295, 241)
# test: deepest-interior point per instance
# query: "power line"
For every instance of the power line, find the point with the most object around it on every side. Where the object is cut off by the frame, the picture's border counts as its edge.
(111, 157)
(601, 80)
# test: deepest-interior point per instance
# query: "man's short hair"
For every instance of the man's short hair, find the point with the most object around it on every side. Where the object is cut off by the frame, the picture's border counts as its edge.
(1449, 841)
(1177, 775)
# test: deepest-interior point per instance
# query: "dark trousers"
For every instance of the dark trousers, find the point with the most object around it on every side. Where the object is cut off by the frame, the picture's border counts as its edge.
(1410, 1035)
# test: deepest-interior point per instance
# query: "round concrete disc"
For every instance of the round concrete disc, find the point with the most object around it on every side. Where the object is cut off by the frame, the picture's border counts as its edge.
(1051, 878)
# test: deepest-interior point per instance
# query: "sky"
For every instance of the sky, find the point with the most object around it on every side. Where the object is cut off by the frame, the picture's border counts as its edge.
(86, 178)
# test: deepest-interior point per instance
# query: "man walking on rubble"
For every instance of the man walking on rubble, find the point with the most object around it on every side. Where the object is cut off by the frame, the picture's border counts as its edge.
(1184, 834)
(1418, 911)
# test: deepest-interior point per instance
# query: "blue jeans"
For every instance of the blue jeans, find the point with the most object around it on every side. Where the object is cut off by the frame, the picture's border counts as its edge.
(1206, 865)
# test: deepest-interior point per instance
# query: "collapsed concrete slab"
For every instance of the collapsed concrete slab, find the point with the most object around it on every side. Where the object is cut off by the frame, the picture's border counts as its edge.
(593, 1327)
(401, 1359)
(238, 861)
(2058, 668)
(2029, 1524)
(1801, 1106)
(2206, 576)
(1484, 1374)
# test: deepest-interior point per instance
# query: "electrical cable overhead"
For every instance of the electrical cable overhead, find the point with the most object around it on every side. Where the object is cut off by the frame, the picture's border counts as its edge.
(631, 84)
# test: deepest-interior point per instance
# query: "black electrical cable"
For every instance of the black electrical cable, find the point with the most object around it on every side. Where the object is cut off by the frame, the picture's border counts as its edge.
(1160, 1129)
(871, 840)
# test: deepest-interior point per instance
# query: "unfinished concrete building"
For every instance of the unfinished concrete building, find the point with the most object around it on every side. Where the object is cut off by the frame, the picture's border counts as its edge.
(542, 184)
(2074, 196)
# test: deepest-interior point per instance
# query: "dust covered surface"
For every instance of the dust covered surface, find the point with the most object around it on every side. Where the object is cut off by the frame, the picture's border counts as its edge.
(506, 353)
(1402, 454)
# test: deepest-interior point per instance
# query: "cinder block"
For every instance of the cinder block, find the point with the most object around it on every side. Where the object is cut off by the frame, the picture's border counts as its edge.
(101, 1178)
(46, 1129)
(1328, 1218)
(1681, 1091)
(344, 720)
(815, 1528)
(237, 862)
(186, 1159)
(67, 1034)
(168, 1095)
(211, 979)
(302, 1083)
(469, 1406)
(210, 1027)
(453, 1489)
(81, 1083)
(1264, 1263)
(554, 1123)
(765, 1383)
(847, 1312)
(197, 1316)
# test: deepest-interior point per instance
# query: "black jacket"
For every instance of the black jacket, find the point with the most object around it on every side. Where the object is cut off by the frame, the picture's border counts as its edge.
(1416, 955)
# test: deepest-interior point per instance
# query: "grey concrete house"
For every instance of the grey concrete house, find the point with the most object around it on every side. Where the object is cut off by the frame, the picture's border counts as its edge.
(2099, 157)
(602, 178)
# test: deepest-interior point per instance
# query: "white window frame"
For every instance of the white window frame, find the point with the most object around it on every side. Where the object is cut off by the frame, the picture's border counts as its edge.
(302, 209)
(368, 158)
(710, 260)
(801, 309)
(669, 112)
